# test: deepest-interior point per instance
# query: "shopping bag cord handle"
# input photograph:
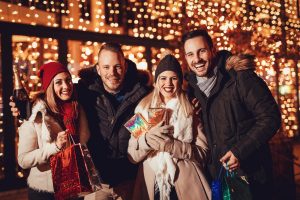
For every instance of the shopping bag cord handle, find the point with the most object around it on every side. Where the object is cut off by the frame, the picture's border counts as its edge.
(71, 138)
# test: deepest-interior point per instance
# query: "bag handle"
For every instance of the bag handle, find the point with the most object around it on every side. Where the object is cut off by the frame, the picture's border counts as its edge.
(71, 139)
(70, 142)
(220, 173)
(227, 172)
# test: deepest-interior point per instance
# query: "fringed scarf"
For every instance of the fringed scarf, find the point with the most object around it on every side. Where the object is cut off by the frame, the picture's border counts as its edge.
(162, 163)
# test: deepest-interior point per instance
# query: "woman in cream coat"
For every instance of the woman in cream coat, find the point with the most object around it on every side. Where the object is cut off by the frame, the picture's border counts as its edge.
(172, 156)
(45, 134)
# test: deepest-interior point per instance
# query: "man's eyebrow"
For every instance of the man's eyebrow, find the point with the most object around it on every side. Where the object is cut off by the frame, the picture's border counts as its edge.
(203, 48)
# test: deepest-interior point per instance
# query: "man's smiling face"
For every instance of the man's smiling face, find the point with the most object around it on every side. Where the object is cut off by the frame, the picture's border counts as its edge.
(198, 56)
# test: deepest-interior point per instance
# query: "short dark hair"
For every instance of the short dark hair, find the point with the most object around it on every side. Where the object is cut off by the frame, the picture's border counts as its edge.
(196, 33)
(111, 46)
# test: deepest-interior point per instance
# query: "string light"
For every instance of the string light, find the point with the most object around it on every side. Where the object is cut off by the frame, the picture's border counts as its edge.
(253, 26)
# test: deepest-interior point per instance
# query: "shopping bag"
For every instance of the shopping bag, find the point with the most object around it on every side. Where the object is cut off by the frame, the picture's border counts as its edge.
(93, 175)
(73, 173)
(216, 187)
(230, 186)
(235, 187)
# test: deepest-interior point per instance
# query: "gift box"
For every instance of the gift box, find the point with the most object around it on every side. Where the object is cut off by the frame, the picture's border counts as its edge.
(137, 125)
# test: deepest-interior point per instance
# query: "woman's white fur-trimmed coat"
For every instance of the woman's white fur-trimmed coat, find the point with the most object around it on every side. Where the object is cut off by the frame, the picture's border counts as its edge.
(190, 182)
(37, 144)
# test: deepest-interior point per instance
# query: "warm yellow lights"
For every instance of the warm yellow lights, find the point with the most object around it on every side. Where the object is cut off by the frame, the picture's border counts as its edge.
(255, 26)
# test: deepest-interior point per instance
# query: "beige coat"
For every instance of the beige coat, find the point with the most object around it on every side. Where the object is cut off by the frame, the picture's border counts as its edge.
(190, 182)
(37, 143)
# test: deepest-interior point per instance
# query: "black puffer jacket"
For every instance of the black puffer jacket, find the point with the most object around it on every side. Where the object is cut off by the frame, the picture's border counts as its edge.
(109, 138)
(240, 115)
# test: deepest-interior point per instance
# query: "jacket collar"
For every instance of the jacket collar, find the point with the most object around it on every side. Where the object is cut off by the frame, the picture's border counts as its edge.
(128, 89)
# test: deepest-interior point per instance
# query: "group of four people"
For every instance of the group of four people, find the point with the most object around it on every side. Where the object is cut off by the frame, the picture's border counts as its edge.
(178, 158)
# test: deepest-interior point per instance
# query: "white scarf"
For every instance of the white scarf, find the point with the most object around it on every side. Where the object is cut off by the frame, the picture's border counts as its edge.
(162, 163)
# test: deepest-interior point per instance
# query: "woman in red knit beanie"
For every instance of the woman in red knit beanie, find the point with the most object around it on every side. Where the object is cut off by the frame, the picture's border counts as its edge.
(55, 113)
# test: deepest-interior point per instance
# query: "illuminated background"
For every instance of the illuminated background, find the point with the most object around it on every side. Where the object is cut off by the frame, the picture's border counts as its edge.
(269, 29)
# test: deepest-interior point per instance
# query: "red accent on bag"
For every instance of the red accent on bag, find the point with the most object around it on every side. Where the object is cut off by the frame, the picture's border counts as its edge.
(70, 173)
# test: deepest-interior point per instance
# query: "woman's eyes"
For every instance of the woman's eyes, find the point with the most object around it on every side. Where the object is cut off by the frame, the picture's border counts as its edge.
(60, 82)
(165, 78)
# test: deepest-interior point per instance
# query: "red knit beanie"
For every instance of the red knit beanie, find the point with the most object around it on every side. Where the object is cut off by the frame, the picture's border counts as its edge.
(49, 70)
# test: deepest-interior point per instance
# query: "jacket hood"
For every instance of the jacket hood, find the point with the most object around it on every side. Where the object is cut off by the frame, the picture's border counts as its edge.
(240, 62)
(133, 75)
(88, 75)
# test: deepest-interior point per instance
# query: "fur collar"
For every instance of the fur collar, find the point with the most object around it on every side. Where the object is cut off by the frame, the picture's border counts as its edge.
(38, 107)
(89, 76)
(240, 62)
(237, 62)
(49, 125)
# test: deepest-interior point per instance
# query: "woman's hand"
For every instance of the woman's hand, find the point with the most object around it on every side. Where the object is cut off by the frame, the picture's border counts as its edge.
(157, 136)
(61, 139)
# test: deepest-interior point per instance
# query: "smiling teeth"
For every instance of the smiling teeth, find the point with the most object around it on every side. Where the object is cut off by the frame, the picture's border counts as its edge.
(168, 89)
(199, 65)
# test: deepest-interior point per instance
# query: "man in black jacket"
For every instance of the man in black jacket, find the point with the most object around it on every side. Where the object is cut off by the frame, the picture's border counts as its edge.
(238, 110)
(109, 93)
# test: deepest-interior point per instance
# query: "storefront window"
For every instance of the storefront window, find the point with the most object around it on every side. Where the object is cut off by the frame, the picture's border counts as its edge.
(29, 53)
(85, 54)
